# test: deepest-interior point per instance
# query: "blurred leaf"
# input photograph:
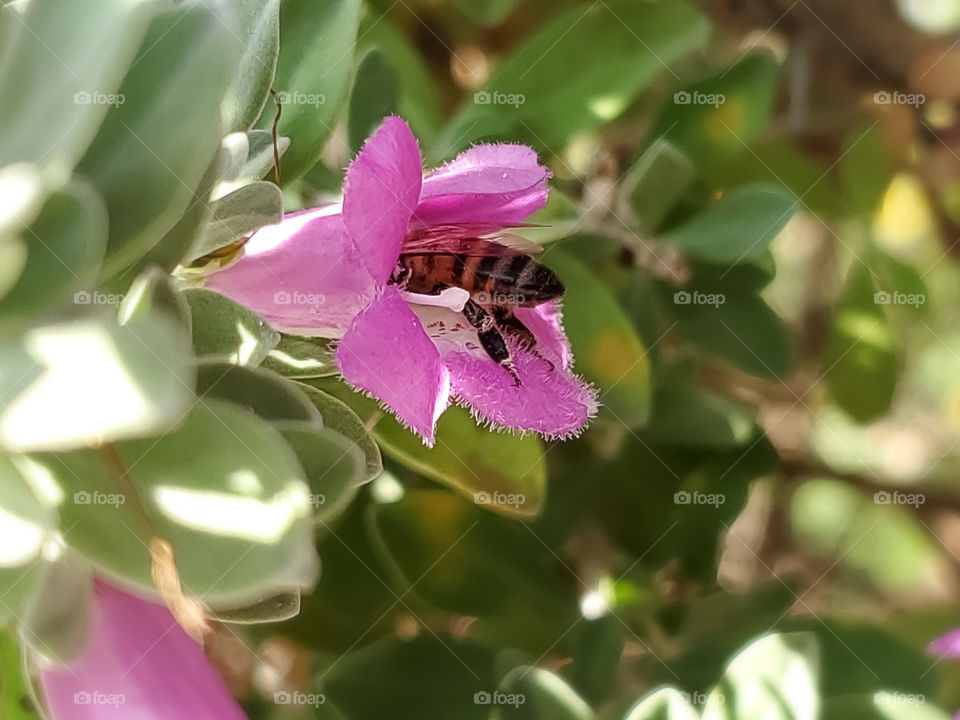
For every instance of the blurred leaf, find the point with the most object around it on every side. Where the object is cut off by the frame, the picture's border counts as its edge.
(56, 623)
(302, 358)
(141, 164)
(60, 66)
(338, 416)
(15, 700)
(224, 489)
(259, 29)
(737, 227)
(859, 364)
(882, 705)
(274, 609)
(262, 393)
(238, 214)
(685, 414)
(655, 184)
(774, 677)
(227, 331)
(78, 384)
(723, 114)
(316, 59)
(153, 292)
(487, 12)
(375, 95)
(738, 327)
(595, 646)
(866, 169)
(426, 677)
(605, 345)
(545, 696)
(664, 704)
(65, 245)
(566, 86)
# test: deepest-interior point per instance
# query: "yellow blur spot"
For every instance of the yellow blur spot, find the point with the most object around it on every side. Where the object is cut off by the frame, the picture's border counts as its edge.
(726, 119)
(903, 219)
(617, 356)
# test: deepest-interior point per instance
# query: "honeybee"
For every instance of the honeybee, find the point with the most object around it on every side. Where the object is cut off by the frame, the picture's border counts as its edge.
(498, 271)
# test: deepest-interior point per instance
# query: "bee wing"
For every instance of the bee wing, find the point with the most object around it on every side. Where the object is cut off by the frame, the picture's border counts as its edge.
(466, 240)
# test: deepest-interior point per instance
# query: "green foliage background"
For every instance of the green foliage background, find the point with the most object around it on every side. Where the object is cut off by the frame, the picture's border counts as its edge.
(762, 284)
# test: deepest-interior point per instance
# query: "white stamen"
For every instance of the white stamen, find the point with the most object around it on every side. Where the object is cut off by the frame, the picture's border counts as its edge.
(453, 298)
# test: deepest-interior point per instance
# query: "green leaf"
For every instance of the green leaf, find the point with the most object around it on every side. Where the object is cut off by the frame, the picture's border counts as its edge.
(457, 557)
(540, 695)
(224, 489)
(316, 59)
(65, 245)
(153, 292)
(15, 700)
(866, 169)
(79, 384)
(596, 645)
(302, 358)
(561, 85)
(606, 347)
(882, 705)
(74, 56)
(140, 162)
(274, 609)
(487, 12)
(375, 95)
(664, 704)
(722, 115)
(738, 227)
(261, 392)
(238, 214)
(338, 416)
(860, 363)
(426, 677)
(656, 184)
(259, 28)
(227, 331)
(774, 677)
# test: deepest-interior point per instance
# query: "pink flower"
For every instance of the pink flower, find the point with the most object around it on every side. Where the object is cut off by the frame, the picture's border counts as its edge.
(946, 646)
(327, 272)
(138, 664)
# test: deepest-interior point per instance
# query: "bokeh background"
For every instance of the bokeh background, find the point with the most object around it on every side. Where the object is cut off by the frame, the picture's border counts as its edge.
(755, 208)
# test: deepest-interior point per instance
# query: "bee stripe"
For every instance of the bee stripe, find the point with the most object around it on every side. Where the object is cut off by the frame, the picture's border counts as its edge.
(459, 265)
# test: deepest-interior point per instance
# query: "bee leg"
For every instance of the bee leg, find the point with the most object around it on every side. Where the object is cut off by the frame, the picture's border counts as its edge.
(490, 338)
(510, 324)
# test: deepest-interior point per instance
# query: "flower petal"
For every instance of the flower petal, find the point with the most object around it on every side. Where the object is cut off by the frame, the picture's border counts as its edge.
(381, 193)
(946, 645)
(555, 403)
(138, 664)
(387, 354)
(501, 184)
(302, 275)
